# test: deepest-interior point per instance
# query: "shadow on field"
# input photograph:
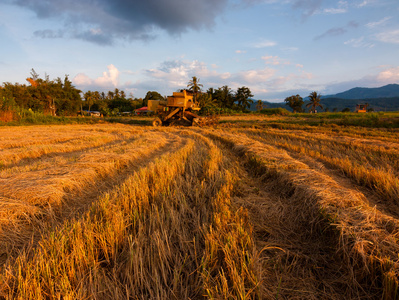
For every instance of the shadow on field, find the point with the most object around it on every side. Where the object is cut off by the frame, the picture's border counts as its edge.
(131, 121)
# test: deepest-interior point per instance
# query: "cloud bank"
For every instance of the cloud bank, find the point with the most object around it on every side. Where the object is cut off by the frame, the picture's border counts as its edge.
(171, 75)
(103, 21)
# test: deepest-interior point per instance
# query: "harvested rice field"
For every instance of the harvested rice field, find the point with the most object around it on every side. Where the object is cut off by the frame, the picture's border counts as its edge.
(242, 210)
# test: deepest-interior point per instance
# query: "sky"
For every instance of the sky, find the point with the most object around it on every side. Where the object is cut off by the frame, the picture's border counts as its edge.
(277, 48)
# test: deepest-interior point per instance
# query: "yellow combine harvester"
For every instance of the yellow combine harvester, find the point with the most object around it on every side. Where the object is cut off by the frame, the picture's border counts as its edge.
(179, 109)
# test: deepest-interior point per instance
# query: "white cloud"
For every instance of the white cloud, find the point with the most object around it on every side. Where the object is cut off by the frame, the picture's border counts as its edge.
(290, 49)
(391, 37)
(82, 80)
(390, 75)
(334, 11)
(365, 3)
(359, 43)
(378, 23)
(274, 60)
(341, 9)
(177, 72)
(264, 44)
(109, 79)
(386, 75)
(240, 51)
(255, 76)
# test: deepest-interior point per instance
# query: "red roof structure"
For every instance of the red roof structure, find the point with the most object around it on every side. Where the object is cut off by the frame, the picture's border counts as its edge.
(142, 110)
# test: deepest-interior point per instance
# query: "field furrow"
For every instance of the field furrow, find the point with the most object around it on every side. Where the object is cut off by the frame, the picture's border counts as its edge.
(374, 167)
(22, 150)
(165, 231)
(322, 209)
(32, 200)
(249, 210)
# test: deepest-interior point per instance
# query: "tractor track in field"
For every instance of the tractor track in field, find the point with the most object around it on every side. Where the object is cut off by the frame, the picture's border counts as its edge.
(75, 203)
(29, 160)
(296, 262)
(106, 184)
(369, 196)
(297, 232)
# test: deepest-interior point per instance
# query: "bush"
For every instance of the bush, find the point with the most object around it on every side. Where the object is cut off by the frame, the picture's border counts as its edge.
(7, 116)
(8, 110)
(275, 111)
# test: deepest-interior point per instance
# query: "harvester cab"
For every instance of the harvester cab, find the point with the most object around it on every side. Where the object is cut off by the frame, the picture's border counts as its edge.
(179, 109)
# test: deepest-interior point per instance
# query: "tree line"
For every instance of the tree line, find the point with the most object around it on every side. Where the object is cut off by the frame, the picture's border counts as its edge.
(296, 102)
(43, 95)
(222, 99)
(60, 97)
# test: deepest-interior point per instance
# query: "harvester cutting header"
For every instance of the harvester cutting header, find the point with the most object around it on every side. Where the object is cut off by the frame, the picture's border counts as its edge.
(179, 109)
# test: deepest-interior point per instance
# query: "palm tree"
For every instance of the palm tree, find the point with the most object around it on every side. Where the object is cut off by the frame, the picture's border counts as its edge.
(123, 94)
(224, 96)
(314, 99)
(194, 86)
(243, 97)
(89, 99)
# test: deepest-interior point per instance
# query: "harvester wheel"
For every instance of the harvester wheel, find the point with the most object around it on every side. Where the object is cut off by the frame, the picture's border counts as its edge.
(157, 122)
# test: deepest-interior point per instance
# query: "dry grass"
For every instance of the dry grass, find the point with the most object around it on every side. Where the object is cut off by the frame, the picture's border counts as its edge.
(371, 163)
(368, 237)
(7, 116)
(150, 237)
(118, 211)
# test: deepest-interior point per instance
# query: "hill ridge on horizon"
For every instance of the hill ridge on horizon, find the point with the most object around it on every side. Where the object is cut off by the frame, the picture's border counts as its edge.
(384, 98)
(386, 91)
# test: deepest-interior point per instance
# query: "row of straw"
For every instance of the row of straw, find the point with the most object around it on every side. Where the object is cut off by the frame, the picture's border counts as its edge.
(367, 238)
(168, 231)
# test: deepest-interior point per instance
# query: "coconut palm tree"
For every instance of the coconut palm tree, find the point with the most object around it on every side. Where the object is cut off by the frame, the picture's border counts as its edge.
(243, 98)
(194, 86)
(89, 99)
(314, 99)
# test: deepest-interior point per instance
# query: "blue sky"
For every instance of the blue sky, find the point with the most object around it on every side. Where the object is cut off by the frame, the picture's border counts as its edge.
(276, 48)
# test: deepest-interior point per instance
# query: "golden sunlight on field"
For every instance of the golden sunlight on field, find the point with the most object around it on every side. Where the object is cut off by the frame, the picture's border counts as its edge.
(239, 211)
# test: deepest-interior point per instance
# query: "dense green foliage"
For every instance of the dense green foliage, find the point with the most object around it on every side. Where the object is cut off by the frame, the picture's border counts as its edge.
(60, 98)
(152, 95)
(111, 104)
(295, 102)
(43, 95)
(225, 101)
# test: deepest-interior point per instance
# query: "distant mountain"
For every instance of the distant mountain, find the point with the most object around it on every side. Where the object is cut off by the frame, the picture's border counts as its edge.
(378, 104)
(338, 104)
(267, 104)
(387, 91)
(385, 98)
